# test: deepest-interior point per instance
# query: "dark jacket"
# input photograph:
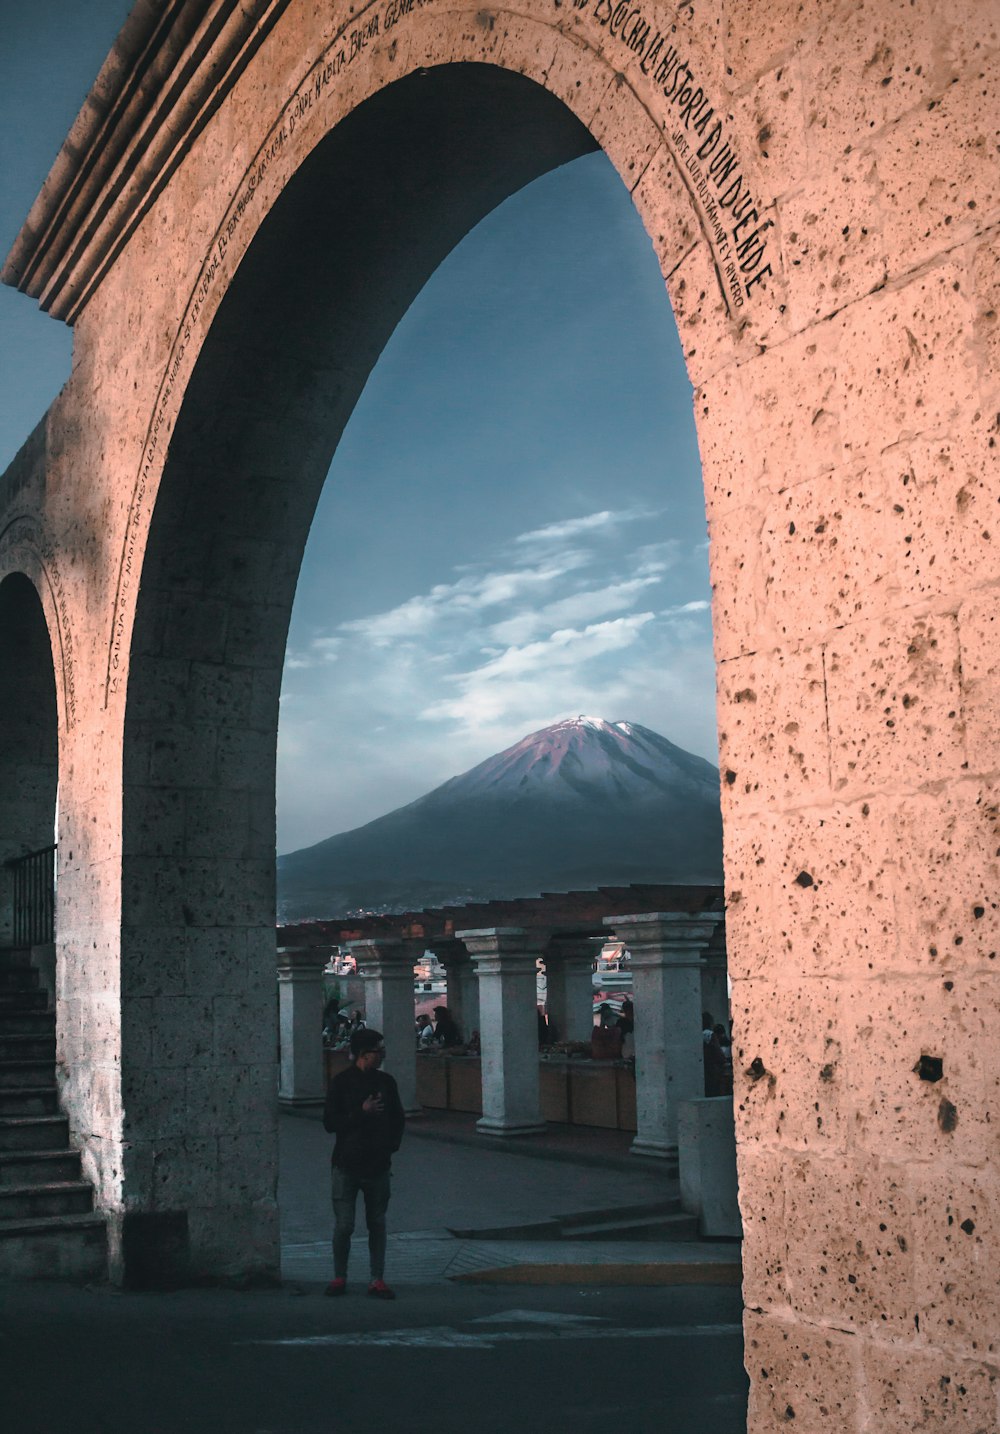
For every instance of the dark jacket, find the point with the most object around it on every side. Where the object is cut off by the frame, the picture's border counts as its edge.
(365, 1143)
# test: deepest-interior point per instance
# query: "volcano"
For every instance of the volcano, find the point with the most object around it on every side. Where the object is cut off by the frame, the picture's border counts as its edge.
(582, 803)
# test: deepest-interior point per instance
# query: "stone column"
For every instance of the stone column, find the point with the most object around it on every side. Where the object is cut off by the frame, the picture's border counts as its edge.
(463, 986)
(666, 952)
(386, 967)
(505, 958)
(569, 970)
(300, 1026)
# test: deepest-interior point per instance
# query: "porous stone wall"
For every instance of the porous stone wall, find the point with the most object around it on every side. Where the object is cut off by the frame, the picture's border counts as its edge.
(857, 686)
(818, 184)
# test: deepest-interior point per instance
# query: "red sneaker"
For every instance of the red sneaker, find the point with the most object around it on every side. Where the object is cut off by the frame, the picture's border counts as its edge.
(336, 1287)
(379, 1290)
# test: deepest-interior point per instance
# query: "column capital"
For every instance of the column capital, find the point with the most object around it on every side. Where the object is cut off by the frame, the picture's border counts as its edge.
(665, 938)
(382, 956)
(301, 963)
(502, 948)
(573, 950)
(449, 950)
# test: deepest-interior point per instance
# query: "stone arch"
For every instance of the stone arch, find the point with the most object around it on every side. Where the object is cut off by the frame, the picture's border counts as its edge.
(599, 80)
(29, 746)
(847, 420)
(276, 378)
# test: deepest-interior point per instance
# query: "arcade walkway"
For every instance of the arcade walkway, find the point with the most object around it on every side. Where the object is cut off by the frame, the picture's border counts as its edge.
(448, 1179)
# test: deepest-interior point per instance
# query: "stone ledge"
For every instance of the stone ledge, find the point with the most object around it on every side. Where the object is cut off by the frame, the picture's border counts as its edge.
(156, 91)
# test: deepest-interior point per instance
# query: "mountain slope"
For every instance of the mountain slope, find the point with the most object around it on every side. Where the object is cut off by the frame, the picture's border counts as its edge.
(582, 803)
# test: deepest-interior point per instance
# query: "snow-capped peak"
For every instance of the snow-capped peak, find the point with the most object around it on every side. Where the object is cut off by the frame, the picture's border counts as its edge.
(617, 760)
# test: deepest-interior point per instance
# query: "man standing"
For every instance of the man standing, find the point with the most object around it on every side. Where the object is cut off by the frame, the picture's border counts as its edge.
(364, 1111)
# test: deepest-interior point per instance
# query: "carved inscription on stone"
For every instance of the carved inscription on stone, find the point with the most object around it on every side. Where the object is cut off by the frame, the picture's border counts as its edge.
(703, 146)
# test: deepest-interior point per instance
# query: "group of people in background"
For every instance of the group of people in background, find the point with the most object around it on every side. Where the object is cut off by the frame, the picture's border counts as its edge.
(339, 1027)
(717, 1049)
(442, 1031)
(618, 1027)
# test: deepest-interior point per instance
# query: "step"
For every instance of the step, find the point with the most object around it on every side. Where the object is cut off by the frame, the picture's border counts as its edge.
(24, 1022)
(567, 1227)
(36, 1132)
(57, 1197)
(14, 1073)
(29, 1100)
(54, 1247)
(38, 1167)
(670, 1206)
(28, 1046)
(13, 1002)
(18, 978)
(663, 1227)
(14, 956)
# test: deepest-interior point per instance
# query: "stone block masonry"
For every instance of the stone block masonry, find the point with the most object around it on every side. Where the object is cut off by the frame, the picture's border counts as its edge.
(818, 183)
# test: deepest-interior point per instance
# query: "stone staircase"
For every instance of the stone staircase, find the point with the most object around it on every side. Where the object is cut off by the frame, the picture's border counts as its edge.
(48, 1228)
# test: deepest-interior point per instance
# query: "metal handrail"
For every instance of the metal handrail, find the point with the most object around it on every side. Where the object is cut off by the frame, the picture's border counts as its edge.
(34, 904)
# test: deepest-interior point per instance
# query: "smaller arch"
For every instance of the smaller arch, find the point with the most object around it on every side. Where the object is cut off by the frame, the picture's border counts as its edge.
(29, 741)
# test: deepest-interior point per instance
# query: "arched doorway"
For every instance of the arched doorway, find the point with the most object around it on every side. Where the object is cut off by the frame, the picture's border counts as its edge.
(28, 766)
(353, 236)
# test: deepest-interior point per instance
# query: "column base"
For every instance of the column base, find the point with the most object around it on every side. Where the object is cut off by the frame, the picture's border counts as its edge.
(653, 1149)
(488, 1126)
(301, 1102)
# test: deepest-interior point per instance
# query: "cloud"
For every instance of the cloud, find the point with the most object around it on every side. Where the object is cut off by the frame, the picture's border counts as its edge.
(699, 605)
(564, 648)
(580, 607)
(474, 592)
(320, 650)
(419, 615)
(499, 686)
(655, 557)
(409, 619)
(574, 527)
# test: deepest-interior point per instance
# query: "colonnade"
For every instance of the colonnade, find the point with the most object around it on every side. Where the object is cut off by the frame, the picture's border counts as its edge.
(678, 966)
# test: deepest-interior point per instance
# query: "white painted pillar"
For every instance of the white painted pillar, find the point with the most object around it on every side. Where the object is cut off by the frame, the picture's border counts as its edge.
(666, 949)
(386, 967)
(569, 969)
(300, 1026)
(505, 959)
(463, 987)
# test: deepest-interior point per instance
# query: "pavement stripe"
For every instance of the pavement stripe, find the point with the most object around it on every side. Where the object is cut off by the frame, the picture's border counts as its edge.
(546, 1317)
(443, 1337)
(676, 1273)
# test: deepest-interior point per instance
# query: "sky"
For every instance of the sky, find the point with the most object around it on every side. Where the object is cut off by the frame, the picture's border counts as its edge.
(512, 530)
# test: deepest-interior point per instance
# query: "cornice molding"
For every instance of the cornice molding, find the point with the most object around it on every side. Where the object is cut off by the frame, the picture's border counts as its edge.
(171, 67)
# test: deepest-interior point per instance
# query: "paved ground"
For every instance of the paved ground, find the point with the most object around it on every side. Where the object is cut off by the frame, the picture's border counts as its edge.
(444, 1358)
(443, 1184)
(441, 1360)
